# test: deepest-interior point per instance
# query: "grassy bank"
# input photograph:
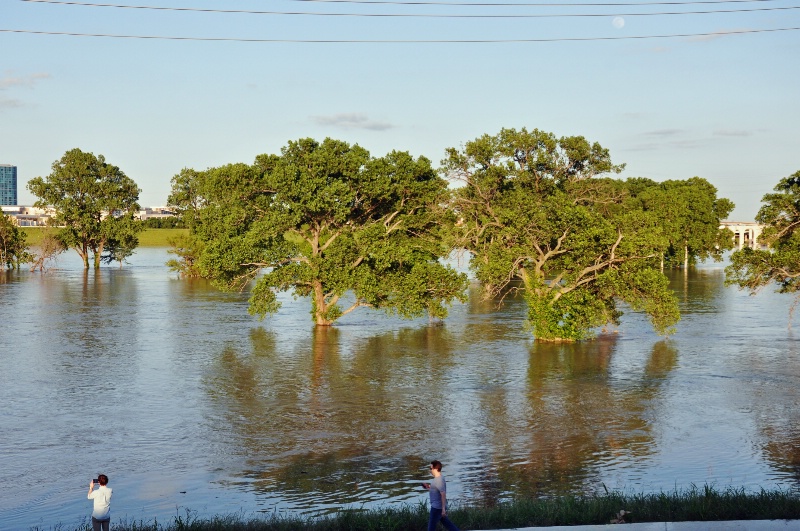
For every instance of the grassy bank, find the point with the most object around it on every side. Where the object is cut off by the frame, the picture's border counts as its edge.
(159, 237)
(701, 504)
(147, 238)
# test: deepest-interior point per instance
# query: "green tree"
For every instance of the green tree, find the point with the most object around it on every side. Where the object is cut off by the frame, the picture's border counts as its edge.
(13, 249)
(323, 220)
(689, 214)
(122, 239)
(754, 269)
(92, 200)
(187, 198)
(536, 215)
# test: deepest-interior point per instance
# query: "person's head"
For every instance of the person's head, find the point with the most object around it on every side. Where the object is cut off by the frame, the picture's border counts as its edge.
(436, 465)
(102, 479)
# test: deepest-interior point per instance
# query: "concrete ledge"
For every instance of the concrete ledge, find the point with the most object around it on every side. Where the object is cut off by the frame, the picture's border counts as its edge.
(733, 525)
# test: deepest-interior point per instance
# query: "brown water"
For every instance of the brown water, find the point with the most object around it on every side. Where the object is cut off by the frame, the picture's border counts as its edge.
(186, 402)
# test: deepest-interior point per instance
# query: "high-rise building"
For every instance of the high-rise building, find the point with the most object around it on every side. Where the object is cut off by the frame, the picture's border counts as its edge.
(8, 184)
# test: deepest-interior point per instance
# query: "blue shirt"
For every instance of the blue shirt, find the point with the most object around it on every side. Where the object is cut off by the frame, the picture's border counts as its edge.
(438, 486)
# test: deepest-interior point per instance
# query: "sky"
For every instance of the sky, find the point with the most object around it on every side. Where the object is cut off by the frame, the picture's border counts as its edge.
(712, 92)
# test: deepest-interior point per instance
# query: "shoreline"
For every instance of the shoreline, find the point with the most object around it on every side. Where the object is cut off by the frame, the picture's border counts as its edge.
(775, 509)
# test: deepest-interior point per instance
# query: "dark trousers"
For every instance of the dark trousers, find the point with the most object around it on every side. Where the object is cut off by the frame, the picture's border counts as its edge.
(436, 517)
(97, 523)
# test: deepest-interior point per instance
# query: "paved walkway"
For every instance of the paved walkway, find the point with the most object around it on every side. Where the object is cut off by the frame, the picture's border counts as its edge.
(739, 525)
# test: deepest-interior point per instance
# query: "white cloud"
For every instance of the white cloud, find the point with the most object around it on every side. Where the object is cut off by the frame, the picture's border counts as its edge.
(732, 132)
(352, 120)
(9, 80)
(719, 34)
(9, 103)
(664, 132)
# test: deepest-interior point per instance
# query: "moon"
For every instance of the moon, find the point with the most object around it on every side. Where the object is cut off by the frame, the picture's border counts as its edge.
(618, 22)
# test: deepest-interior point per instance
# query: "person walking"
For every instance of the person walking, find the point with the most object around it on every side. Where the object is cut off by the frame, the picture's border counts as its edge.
(101, 515)
(438, 493)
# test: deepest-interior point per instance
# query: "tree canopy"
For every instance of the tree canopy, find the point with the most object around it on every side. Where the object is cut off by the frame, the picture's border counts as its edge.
(323, 220)
(689, 214)
(779, 264)
(94, 203)
(13, 248)
(537, 214)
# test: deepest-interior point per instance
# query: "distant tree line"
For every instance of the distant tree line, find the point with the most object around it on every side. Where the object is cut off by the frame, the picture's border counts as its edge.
(169, 222)
(537, 214)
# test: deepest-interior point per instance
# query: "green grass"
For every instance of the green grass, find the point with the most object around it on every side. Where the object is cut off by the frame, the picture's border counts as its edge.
(696, 504)
(147, 238)
(159, 237)
(34, 235)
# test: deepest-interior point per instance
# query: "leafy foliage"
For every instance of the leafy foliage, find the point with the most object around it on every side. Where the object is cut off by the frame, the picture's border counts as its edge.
(122, 240)
(169, 222)
(94, 203)
(536, 215)
(689, 215)
(187, 249)
(323, 220)
(753, 269)
(13, 249)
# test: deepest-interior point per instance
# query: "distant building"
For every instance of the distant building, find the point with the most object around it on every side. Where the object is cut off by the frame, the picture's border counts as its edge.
(8, 184)
(155, 212)
(28, 216)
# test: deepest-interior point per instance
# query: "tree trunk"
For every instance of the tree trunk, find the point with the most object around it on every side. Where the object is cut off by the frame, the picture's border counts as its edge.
(84, 254)
(686, 257)
(320, 308)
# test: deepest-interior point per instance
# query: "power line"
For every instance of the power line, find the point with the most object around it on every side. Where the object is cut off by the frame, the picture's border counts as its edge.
(519, 4)
(534, 4)
(401, 41)
(410, 15)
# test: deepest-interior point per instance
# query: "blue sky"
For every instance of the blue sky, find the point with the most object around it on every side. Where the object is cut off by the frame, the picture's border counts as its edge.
(725, 107)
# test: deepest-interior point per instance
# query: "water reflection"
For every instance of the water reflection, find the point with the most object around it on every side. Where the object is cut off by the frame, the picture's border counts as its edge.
(351, 423)
(699, 290)
(579, 419)
(311, 418)
(204, 407)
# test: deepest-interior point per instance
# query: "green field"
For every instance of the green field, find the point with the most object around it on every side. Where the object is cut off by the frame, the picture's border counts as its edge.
(159, 237)
(148, 238)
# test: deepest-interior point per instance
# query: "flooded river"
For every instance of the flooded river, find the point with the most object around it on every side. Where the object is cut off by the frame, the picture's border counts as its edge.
(188, 403)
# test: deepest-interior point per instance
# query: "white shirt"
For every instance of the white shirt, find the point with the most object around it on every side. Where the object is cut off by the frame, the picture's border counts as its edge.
(102, 502)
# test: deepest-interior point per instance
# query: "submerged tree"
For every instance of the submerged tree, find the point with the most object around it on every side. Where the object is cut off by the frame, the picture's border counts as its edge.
(689, 214)
(122, 239)
(325, 221)
(535, 213)
(754, 269)
(93, 201)
(49, 248)
(13, 249)
(187, 198)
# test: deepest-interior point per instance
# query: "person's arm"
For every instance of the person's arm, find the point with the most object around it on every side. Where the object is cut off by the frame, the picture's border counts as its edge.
(91, 488)
(444, 503)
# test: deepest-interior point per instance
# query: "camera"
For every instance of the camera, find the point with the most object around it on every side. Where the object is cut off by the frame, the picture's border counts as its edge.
(96, 480)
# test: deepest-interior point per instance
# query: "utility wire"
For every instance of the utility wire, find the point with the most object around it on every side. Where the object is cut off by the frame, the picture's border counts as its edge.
(534, 4)
(401, 41)
(412, 15)
(519, 4)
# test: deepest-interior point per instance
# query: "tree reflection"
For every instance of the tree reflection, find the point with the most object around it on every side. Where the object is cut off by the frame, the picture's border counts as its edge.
(776, 404)
(332, 419)
(579, 419)
(312, 418)
(698, 290)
